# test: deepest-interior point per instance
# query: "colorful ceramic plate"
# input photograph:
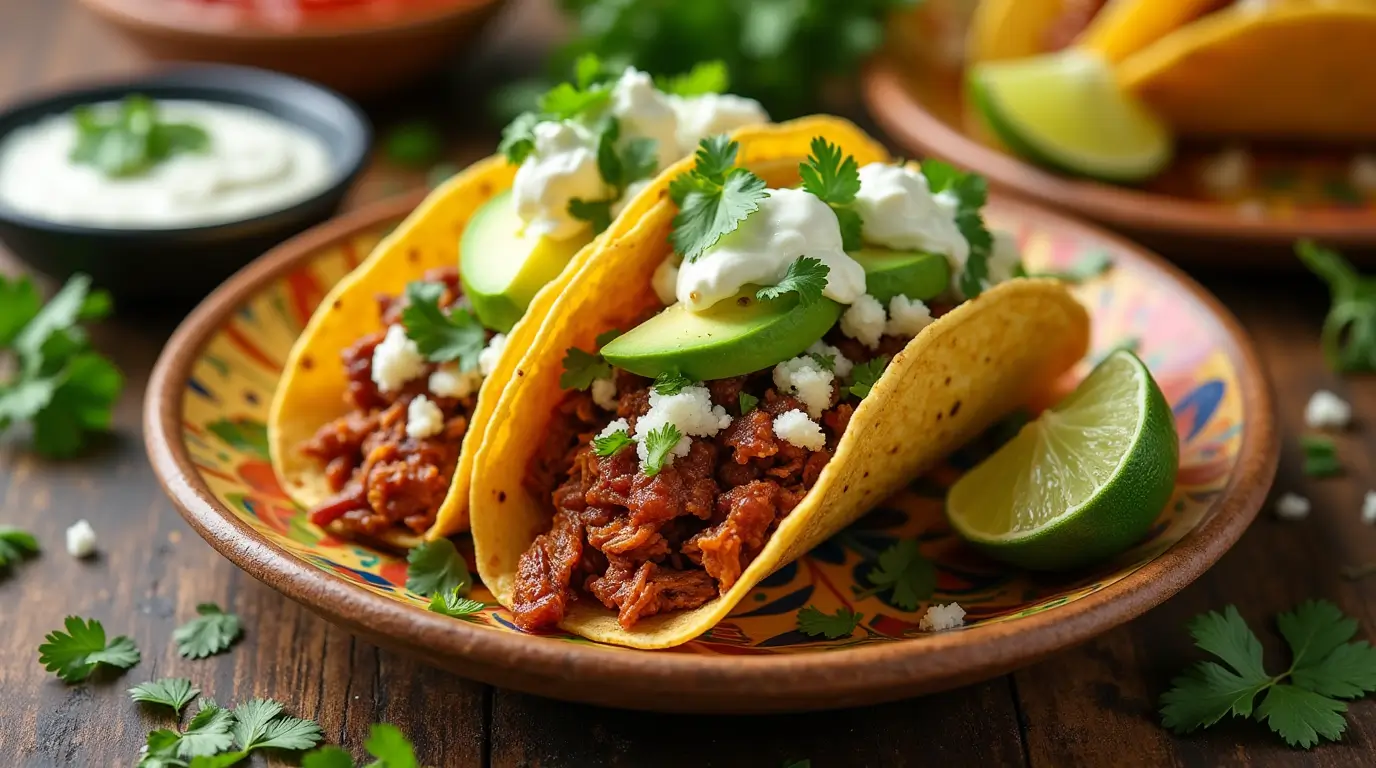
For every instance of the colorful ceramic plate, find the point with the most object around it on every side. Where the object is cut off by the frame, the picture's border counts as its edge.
(210, 392)
(1283, 193)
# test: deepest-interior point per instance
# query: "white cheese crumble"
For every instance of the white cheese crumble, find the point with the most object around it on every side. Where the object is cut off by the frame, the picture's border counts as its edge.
(907, 317)
(795, 427)
(1369, 508)
(1226, 174)
(665, 280)
(491, 354)
(1362, 173)
(81, 539)
(1292, 506)
(864, 321)
(396, 360)
(808, 380)
(939, 618)
(562, 166)
(423, 418)
(790, 223)
(644, 112)
(617, 425)
(840, 364)
(449, 381)
(690, 410)
(604, 394)
(711, 114)
(899, 211)
(1326, 410)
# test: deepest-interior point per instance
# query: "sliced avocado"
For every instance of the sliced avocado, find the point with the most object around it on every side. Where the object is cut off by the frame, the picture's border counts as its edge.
(502, 268)
(733, 337)
(914, 274)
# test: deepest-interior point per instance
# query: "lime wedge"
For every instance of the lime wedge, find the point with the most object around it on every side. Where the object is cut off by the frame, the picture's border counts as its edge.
(1081, 483)
(1066, 110)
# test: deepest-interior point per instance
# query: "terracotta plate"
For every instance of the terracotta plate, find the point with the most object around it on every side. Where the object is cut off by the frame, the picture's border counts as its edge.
(210, 392)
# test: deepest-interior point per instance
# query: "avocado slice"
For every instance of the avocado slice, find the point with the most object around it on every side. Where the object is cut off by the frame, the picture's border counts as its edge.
(915, 274)
(502, 268)
(733, 337)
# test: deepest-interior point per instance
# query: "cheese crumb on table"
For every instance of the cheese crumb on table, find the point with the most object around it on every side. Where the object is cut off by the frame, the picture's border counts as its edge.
(1327, 411)
(81, 539)
(1369, 508)
(1292, 506)
(939, 617)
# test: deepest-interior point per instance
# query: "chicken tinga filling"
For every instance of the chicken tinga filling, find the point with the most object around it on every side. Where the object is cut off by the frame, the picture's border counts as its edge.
(681, 444)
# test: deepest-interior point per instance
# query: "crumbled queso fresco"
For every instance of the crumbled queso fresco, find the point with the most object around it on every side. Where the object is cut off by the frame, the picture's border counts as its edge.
(808, 380)
(449, 381)
(864, 321)
(423, 418)
(1292, 506)
(491, 354)
(604, 394)
(396, 360)
(907, 317)
(795, 427)
(939, 618)
(690, 410)
(81, 539)
(1327, 411)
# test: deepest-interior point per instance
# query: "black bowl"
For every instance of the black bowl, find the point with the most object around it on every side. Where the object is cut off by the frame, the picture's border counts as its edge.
(146, 267)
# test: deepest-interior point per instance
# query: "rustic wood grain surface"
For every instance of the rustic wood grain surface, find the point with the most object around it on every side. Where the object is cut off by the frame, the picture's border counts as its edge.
(1090, 706)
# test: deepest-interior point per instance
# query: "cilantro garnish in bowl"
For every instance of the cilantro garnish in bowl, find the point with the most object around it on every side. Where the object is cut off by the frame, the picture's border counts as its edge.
(130, 139)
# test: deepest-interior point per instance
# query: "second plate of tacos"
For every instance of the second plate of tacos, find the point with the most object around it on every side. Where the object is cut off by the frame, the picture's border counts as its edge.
(796, 328)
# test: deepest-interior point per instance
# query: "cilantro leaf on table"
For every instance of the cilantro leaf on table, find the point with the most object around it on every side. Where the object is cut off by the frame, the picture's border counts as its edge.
(439, 335)
(705, 77)
(76, 653)
(747, 402)
(864, 376)
(806, 276)
(15, 545)
(172, 692)
(582, 368)
(328, 757)
(416, 144)
(212, 631)
(672, 383)
(260, 724)
(1088, 266)
(903, 569)
(1320, 456)
(437, 567)
(19, 304)
(391, 747)
(454, 604)
(1302, 703)
(812, 622)
(713, 198)
(834, 179)
(659, 444)
(208, 733)
(1348, 338)
(130, 139)
(970, 192)
(609, 445)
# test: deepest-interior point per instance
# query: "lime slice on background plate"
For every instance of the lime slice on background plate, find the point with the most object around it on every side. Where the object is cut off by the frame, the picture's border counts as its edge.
(1066, 110)
(1082, 482)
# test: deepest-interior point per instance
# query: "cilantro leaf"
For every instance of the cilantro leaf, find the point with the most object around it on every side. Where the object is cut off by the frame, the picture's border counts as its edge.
(707, 214)
(806, 276)
(747, 402)
(598, 213)
(1314, 630)
(416, 144)
(852, 228)
(832, 177)
(1205, 694)
(437, 567)
(391, 748)
(453, 603)
(160, 750)
(19, 304)
(827, 362)
(441, 336)
(903, 568)
(705, 77)
(1090, 265)
(1320, 456)
(208, 733)
(1228, 637)
(1301, 717)
(609, 445)
(1348, 672)
(581, 368)
(212, 632)
(260, 724)
(813, 622)
(174, 692)
(566, 100)
(76, 653)
(659, 444)
(518, 138)
(327, 757)
(970, 192)
(15, 545)
(79, 400)
(864, 376)
(130, 139)
(672, 383)
(1349, 331)
(587, 69)
(715, 157)
(606, 337)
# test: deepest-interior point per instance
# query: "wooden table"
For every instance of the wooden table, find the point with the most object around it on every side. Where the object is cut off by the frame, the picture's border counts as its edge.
(1091, 706)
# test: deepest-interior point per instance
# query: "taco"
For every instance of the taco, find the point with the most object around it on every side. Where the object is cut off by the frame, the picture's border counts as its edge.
(820, 347)
(392, 384)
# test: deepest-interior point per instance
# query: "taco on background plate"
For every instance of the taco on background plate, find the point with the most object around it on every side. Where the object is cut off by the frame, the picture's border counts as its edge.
(780, 358)
(392, 384)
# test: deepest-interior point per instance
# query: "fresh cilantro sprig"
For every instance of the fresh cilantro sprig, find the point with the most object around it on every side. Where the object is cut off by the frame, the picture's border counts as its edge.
(971, 192)
(212, 631)
(218, 737)
(1302, 704)
(865, 375)
(260, 724)
(209, 733)
(827, 362)
(747, 402)
(705, 77)
(454, 604)
(15, 545)
(713, 198)
(806, 276)
(812, 622)
(131, 139)
(73, 655)
(672, 383)
(1349, 330)
(903, 570)
(609, 445)
(172, 692)
(437, 567)
(59, 385)
(621, 164)
(585, 96)
(385, 742)
(1320, 456)
(439, 335)
(834, 178)
(582, 368)
(659, 444)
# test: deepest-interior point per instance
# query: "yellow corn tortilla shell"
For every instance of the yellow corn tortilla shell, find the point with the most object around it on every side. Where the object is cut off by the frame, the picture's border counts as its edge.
(1014, 29)
(1124, 27)
(1286, 72)
(957, 377)
(1010, 29)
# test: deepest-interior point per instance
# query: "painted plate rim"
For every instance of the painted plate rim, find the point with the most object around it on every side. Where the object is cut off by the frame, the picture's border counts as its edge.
(668, 681)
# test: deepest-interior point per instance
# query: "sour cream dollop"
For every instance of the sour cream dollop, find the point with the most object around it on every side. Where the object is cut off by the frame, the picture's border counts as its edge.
(899, 211)
(255, 163)
(562, 166)
(645, 112)
(789, 223)
(711, 114)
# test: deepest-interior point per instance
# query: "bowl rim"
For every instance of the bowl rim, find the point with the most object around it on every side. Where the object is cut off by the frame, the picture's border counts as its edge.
(688, 682)
(203, 82)
(917, 129)
(144, 15)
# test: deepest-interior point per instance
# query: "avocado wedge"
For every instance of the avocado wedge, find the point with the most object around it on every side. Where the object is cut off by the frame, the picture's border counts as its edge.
(914, 274)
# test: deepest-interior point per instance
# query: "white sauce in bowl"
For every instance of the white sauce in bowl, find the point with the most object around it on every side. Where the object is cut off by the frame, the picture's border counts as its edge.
(256, 164)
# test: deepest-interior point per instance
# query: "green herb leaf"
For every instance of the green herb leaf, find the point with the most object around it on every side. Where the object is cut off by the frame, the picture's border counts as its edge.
(606, 337)
(327, 757)
(208, 733)
(747, 402)
(130, 140)
(441, 336)
(212, 632)
(864, 376)
(417, 144)
(827, 362)
(970, 192)
(19, 304)
(453, 603)
(1349, 331)
(173, 692)
(609, 445)
(903, 568)
(1314, 630)
(1302, 717)
(672, 383)
(260, 724)
(76, 653)
(581, 368)
(659, 444)
(1320, 456)
(705, 77)
(15, 545)
(437, 567)
(598, 213)
(713, 198)
(566, 101)
(1347, 672)
(1087, 267)
(829, 174)
(806, 276)
(391, 747)
(813, 622)
(518, 138)
(587, 70)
